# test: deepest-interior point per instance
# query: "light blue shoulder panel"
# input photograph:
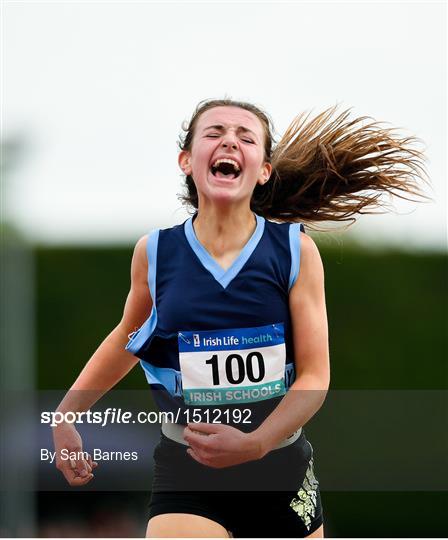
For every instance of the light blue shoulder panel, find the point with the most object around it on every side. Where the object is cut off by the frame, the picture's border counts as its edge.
(151, 252)
(294, 245)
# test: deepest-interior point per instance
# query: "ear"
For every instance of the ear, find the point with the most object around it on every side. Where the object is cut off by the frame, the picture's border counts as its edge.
(184, 159)
(266, 171)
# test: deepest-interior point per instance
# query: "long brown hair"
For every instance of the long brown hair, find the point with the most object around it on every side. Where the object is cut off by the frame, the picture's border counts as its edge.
(324, 168)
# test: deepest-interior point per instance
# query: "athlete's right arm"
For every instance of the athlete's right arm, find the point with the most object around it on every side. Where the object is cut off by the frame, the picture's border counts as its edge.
(108, 365)
(111, 362)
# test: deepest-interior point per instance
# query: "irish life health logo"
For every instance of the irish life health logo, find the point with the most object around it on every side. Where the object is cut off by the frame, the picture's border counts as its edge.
(232, 366)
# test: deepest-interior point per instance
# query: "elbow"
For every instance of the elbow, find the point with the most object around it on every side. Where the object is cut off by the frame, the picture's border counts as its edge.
(313, 380)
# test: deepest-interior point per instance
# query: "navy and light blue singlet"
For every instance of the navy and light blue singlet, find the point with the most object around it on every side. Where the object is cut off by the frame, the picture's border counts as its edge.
(219, 337)
(222, 340)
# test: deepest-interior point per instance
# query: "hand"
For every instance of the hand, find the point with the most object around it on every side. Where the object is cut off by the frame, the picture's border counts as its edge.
(219, 446)
(77, 472)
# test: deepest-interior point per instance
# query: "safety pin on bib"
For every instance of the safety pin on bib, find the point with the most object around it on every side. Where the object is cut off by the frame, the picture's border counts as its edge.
(184, 338)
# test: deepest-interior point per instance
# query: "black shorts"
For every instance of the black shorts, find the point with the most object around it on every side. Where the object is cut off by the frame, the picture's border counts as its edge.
(276, 496)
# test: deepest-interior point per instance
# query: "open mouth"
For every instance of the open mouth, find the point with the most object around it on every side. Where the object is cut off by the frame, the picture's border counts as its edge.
(225, 168)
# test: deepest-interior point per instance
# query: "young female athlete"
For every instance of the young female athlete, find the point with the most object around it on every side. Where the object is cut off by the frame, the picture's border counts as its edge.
(227, 314)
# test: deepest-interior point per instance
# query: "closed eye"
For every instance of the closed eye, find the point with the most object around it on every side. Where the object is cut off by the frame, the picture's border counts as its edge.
(215, 136)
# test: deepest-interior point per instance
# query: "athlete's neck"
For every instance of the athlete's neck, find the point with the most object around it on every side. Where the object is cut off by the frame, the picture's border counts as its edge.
(224, 234)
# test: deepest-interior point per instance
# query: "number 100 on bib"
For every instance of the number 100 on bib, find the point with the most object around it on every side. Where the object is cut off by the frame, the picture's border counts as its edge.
(232, 366)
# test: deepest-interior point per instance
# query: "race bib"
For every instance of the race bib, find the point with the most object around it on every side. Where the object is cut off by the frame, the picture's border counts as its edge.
(224, 367)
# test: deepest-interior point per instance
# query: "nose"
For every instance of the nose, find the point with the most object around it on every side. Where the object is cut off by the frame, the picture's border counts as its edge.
(232, 145)
(229, 141)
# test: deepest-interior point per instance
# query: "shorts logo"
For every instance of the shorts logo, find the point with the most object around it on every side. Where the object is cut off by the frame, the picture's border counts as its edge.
(305, 502)
(196, 340)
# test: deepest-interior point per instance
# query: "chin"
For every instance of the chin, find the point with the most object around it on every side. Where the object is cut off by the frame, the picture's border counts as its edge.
(224, 196)
(223, 191)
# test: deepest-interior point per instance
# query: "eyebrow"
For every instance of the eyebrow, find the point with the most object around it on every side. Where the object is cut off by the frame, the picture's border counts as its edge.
(220, 127)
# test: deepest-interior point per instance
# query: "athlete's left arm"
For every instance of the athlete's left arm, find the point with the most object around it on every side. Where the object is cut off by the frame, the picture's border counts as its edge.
(229, 446)
(312, 362)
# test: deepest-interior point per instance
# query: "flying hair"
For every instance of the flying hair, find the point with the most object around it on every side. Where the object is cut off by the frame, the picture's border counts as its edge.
(328, 167)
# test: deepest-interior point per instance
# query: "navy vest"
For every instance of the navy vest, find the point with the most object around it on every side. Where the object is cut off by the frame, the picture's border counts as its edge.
(191, 292)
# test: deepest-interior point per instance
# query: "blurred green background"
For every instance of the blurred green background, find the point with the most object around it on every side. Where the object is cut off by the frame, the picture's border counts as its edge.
(387, 314)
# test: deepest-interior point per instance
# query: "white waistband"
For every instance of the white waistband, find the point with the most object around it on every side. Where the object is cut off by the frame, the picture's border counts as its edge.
(175, 432)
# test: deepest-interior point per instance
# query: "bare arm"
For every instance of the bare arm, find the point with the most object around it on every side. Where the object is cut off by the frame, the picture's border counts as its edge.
(108, 365)
(111, 362)
(312, 359)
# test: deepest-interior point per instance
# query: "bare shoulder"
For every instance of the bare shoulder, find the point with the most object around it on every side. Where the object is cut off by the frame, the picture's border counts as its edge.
(309, 253)
(140, 246)
(139, 265)
(311, 270)
(138, 303)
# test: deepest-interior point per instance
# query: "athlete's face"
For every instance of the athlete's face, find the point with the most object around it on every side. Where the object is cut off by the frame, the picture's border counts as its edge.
(228, 133)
